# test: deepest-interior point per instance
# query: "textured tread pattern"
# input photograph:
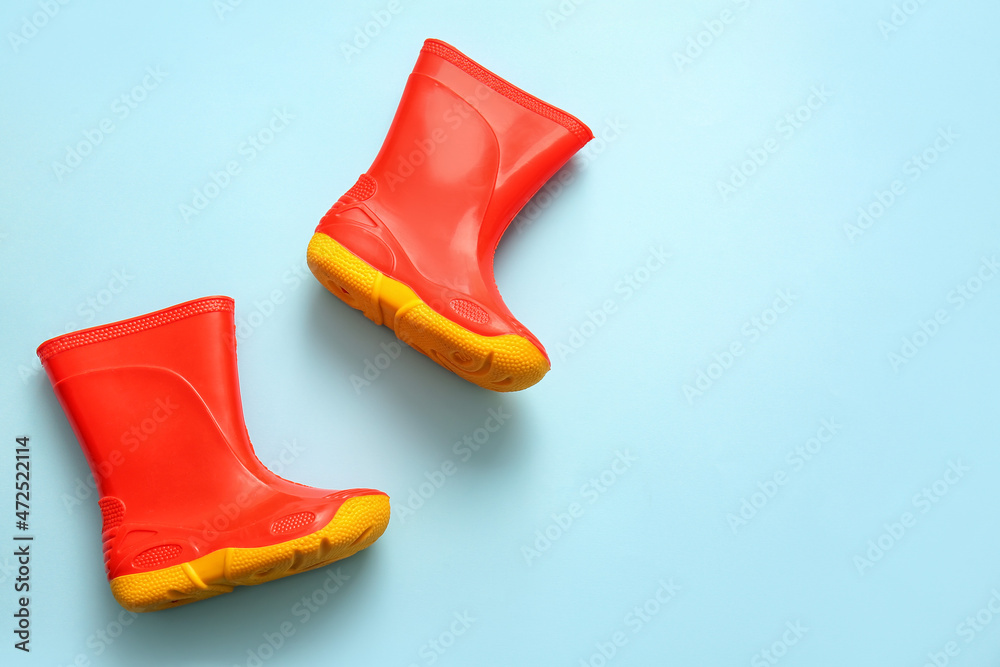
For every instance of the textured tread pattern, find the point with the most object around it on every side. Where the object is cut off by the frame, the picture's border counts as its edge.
(500, 363)
(507, 89)
(134, 325)
(157, 556)
(112, 512)
(360, 191)
(470, 311)
(112, 516)
(292, 522)
(358, 523)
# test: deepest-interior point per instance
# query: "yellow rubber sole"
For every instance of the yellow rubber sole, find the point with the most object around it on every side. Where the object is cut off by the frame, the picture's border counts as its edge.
(358, 523)
(501, 363)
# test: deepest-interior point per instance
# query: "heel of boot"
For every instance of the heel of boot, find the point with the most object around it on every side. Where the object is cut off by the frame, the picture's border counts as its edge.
(499, 363)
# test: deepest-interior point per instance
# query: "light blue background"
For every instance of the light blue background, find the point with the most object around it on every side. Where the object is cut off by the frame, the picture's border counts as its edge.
(655, 184)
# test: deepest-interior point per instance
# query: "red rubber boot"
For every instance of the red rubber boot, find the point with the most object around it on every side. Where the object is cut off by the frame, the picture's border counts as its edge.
(189, 512)
(411, 244)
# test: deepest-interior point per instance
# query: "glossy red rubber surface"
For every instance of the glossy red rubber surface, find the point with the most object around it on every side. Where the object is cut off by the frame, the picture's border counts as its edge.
(155, 404)
(465, 151)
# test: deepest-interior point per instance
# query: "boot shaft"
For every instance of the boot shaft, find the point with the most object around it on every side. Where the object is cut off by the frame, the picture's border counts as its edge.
(470, 147)
(151, 399)
(194, 340)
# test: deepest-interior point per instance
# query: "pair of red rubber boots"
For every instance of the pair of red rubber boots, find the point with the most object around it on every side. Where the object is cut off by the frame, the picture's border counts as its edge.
(188, 510)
